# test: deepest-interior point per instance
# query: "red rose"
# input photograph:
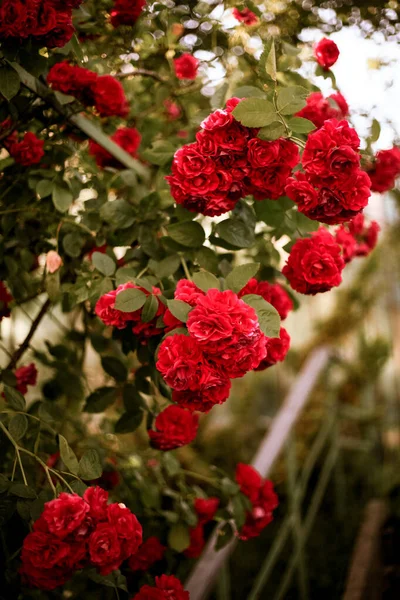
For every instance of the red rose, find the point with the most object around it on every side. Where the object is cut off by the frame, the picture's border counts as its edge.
(44, 558)
(326, 53)
(180, 362)
(167, 587)
(150, 552)
(127, 137)
(97, 498)
(214, 389)
(217, 120)
(175, 427)
(197, 542)
(17, 18)
(126, 12)
(105, 549)
(27, 152)
(356, 238)
(227, 329)
(261, 514)
(26, 376)
(261, 153)
(72, 80)
(5, 299)
(385, 170)
(273, 293)
(106, 311)
(249, 480)
(186, 66)
(189, 162)
(63, 31)
(188, 292)
(172, 109)
(314, 264)
(65, 515)
(320, 109)
(46, 20)
(109, 97)
(277, 348)
(347, 243)
(245, 16)
(206, 509)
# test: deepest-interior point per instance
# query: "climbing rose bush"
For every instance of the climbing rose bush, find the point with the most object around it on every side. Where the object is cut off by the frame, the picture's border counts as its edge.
(157, 226)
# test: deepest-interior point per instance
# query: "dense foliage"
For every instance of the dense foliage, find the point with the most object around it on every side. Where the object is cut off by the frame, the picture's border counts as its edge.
(159, 164)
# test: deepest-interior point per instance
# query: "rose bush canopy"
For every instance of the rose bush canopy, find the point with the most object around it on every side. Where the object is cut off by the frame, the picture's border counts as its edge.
(172, 220)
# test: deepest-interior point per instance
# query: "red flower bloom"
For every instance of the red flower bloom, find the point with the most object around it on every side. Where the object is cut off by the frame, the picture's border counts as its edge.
(206, 509)
(315, 264)
(175, 427)
(277, 348)
(214, 388)
(326, 53)
(126, 12)
(45, 561)
(105, 549)
(150, 552)
(65, 515)
(262, 496)
(356, 238)
(5, 299)
(61, 34)
(180, 362)
(197, 542)
(249, 480)
(188, 292)
(127, 137)
(273, 293)
(186, 66)
(26, 376)
(97, 498)
(27, 152)
(127, 527)
(167, 587)
(72, 80)
(385, 170)
(172, 109)
(227, 329)
(245, 16)
(109, 97)
(320, 109)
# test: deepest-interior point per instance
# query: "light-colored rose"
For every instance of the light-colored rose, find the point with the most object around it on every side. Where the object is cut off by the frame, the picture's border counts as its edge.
(53, 261)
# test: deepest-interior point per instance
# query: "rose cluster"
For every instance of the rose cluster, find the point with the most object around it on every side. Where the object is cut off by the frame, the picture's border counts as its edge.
(315, 264)
(27, 151)
(128, 138)
(227, 163)
(5, 299)
(126, 12)
(205, 509)
(75, 532)
(319, 109)
(48, 22)
(326, 53)
(167, 587)
(333, 188)
(175, 427)
(385, 170)
(150, 552)
(262, 497)
(106, 311)
(357, 238)
(102, 91)
(224, 342)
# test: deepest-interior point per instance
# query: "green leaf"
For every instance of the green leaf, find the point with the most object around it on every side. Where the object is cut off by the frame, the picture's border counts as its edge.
(44, 188)
(248, 91)
(118, 213)
(255, 112)
(268, 316)
(272, 212)
(62, 197)
(130, 300)
(239, 511)
(18, 426)
(272, 132)
(160, 153)
(100, 399)
(103, 263)
(22, 491)
(129, 422)
(190, 234)
(90, 465)
(114, 579)
(150, 309)
(268, 59)
(291, 99)
(68, 455)
(236, 233)
(73, 244)
(15, 399)
(114, 367)
(239, 276)
(133, 401)
(225, 535)
(166, 267)
(4, 483)
(300, 125)
(10, 82)
(206, 281)
(375, 131)
(179, 537)
(179, 309)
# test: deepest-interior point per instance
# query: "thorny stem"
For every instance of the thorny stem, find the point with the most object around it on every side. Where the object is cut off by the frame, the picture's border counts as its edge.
(25, 344)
